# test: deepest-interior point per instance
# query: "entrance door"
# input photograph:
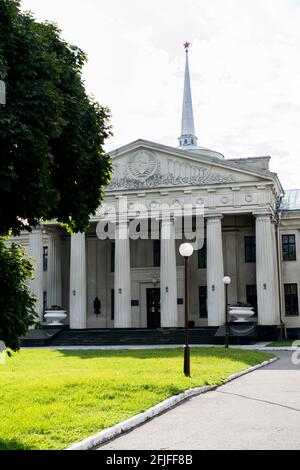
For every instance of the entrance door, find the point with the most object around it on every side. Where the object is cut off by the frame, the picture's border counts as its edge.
(153, 308)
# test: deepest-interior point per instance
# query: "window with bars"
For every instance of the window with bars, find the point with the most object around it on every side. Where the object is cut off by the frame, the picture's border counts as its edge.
(44, 300)
(112, 304)
(202, 257)
(156, 253)
(250, 249)
(291, 300)
(203, 301)
(112, 257)
(45, 258)
(289, 247)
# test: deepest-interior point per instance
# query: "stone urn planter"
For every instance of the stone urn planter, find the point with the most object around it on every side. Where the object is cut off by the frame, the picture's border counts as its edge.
(241, 314)
(55, 316)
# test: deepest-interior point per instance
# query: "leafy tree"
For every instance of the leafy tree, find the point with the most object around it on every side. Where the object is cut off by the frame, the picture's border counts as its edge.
(52, 162)
(17, 303)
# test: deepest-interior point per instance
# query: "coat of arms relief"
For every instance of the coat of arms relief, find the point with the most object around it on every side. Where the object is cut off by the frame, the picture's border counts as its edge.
(144, 170)
(142, 165)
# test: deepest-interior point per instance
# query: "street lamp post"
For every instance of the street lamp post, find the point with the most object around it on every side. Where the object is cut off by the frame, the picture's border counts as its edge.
(186, 250)
(226, 282)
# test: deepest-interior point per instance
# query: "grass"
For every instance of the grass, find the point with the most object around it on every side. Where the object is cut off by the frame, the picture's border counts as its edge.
(51, 399)
(281, 344)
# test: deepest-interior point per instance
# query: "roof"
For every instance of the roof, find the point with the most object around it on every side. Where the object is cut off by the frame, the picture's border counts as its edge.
(291, 200)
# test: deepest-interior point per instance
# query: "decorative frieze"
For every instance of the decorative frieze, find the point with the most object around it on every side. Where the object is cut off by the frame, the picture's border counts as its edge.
(167, 180)
(146, 170)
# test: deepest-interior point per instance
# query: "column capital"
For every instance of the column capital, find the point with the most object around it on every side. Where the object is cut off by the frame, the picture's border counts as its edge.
(167, 218)
(213, 216)
(52, 232)
(36, 230)
(264, 214)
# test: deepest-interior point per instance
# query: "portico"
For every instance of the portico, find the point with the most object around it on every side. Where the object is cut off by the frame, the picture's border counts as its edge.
(122, 274)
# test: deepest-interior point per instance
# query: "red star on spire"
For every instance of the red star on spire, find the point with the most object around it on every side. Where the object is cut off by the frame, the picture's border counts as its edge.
(186, 45)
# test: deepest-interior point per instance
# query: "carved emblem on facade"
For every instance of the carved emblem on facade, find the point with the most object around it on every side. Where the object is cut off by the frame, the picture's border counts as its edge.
(142, 165)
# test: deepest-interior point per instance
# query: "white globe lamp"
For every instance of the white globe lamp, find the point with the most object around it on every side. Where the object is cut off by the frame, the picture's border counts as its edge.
(186, 250)
(227, 280)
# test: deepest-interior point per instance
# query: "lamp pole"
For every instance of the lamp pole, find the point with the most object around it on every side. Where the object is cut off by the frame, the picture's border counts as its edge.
(227, 282)
(187, 355)
(186, 251)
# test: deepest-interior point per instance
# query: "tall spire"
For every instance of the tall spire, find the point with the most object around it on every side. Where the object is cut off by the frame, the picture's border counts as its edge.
(188, 139)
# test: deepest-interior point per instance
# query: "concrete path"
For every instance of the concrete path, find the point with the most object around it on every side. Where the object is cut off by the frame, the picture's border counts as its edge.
(260, 410)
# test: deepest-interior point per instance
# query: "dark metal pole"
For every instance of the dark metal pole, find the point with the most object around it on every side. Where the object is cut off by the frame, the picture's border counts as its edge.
(186, 366)
(226, 318)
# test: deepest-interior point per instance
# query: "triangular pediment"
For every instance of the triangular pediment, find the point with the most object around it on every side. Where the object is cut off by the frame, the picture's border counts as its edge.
(145, 165)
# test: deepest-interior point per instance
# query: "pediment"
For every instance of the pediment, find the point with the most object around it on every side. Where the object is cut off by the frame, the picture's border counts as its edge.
(144, 165)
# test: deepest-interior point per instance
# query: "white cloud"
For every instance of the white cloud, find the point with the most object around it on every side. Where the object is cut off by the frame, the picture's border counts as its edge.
(244, 62)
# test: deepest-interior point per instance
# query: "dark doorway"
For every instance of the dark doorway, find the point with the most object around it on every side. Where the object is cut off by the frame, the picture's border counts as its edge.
(153, 308)
(251, 294)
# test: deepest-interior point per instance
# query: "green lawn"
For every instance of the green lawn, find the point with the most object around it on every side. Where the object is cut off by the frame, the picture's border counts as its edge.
(51, 399)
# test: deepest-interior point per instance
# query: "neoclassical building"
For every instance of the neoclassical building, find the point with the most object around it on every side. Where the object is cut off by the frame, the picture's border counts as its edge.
(251, 234)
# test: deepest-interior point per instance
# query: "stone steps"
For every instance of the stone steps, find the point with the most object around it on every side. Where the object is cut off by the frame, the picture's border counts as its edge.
(115, 337)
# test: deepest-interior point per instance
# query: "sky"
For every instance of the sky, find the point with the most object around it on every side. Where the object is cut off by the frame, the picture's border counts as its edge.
(244, 66)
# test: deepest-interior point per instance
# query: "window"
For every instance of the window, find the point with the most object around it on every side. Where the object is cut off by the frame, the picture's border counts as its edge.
(251, 294)
(203, 302)
(112, 257)
(289, 247)
(45, 258)
(156, 253)
(44, 300)
(250, 249)
(112, 304)
(202, 255)
(291, 300)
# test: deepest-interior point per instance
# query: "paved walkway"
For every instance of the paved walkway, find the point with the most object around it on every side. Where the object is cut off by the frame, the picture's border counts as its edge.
(260, 410)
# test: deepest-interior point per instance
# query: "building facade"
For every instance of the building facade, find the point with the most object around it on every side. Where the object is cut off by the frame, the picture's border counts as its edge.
(251, 234)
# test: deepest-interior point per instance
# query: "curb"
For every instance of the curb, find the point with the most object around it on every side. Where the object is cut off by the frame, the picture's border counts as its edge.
(131, 423)
(282, 348)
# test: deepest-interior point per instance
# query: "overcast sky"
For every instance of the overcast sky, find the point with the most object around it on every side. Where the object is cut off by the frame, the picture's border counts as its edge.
(244, 61)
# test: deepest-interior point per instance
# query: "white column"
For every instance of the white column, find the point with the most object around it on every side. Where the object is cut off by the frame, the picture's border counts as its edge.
(267, 291)
(168, 277)
(78, 282)
(123, 318)
(36, 253)
(230, 264)
(215, 272)
(54, 271)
